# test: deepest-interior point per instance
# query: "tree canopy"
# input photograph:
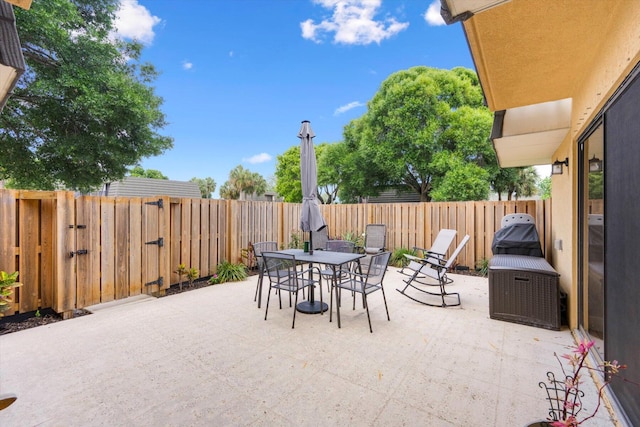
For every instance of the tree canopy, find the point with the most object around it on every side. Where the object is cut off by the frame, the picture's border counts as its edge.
(84, 111)
(330, 158)
(425, 129)
(516, 182)
(207, 186)
(242, 182)
(140, 172)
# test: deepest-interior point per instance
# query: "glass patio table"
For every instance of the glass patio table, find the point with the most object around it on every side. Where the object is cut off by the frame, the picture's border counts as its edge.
(328, 258)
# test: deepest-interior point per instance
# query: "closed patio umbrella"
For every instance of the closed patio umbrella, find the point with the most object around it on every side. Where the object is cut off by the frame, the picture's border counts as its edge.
(310, 218)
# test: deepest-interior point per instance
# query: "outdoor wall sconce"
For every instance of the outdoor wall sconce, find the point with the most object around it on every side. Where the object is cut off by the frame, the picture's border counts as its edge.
(595, 164)
(556, 167)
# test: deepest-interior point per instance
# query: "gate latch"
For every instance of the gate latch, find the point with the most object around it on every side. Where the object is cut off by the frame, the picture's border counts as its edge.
(78, 252)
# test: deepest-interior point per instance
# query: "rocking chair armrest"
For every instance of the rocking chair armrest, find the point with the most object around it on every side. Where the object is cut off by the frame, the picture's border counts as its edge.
(436, 263)
(434, 255)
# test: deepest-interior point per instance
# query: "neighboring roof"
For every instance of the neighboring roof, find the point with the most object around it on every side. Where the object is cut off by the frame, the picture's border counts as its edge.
(395, 195)
(11, 59)
(145, 187)
(529, 53)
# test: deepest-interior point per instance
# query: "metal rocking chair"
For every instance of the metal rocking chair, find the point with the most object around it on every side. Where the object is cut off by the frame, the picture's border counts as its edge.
(436, 269)
(437, 252)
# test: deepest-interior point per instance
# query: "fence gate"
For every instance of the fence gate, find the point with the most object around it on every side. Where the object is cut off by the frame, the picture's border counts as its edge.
(155, 269)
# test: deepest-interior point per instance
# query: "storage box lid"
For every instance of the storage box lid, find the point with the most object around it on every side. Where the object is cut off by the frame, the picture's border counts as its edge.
(521, 262)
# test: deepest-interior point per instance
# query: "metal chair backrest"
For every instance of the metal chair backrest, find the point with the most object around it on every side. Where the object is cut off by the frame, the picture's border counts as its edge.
(375, 236)
(455, 253)
(260, 247)
(320, 238)
(378, 268)
(340, 246)
(279, 265)
(443, 241)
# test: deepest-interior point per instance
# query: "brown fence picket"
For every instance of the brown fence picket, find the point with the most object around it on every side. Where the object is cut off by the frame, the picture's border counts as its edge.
(64, 296)
(135, 284)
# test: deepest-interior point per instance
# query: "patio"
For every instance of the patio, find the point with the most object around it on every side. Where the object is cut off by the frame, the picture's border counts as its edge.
(207, 357)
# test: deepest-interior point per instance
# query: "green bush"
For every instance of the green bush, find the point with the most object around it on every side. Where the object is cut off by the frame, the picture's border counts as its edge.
(8, 281)
(356, 238)
(296, 240)
(398, 259)
(228, 272)
(482, 266)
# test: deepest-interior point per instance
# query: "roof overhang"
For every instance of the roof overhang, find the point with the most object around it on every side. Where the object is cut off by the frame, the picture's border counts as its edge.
(532, 54)
(525, 136)
(11, 59)
(461, 10)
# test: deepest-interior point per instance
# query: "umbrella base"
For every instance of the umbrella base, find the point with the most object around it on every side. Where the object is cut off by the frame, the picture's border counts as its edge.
(309, 307)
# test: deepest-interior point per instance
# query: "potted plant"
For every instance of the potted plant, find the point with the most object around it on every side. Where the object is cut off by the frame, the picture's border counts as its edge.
(564, 394)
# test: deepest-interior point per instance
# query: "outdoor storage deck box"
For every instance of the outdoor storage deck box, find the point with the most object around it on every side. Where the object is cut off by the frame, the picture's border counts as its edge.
(524, 289)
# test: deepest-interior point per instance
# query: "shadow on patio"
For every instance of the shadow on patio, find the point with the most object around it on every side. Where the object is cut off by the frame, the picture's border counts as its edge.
(207, 357)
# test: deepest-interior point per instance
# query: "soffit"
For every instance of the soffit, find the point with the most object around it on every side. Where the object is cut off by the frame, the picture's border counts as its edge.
(529, 135)
(530, 52)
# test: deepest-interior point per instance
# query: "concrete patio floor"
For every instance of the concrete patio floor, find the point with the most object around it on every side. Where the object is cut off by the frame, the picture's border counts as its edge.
(208, 358)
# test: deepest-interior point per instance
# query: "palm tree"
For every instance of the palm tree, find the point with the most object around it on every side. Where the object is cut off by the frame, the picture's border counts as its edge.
(241, 182)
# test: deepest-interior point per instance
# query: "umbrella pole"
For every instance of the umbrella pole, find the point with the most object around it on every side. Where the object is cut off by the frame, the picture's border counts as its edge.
(310, 242)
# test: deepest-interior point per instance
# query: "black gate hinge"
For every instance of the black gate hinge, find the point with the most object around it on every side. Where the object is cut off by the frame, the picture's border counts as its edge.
(158, 203)
(159, 242)
(158, 282)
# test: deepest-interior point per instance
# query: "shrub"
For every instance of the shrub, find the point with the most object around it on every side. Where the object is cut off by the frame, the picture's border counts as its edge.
(228, 272)
(181, 271)
(296, 240)
(398, 259)
(357, 239)
(192, 274)
(482, 266)
(7, 283)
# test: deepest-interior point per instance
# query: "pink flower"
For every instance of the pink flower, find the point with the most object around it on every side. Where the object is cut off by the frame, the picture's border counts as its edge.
(583, 347)
(569, 422)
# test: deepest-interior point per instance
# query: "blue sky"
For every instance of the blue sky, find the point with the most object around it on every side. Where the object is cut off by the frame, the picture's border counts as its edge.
(238, 76)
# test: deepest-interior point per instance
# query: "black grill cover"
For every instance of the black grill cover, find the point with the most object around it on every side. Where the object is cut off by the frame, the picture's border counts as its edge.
(517, 239)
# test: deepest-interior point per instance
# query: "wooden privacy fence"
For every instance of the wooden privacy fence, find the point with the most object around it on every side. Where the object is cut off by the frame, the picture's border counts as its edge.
(73, 252)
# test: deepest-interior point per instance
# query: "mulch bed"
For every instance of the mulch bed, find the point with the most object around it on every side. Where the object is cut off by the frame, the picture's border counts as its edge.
(32, 319)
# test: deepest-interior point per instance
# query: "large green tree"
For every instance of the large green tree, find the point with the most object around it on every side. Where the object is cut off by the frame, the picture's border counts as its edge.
(424, 128)
(84, 111)
(330, 158)
(242, 182)
(287, 174)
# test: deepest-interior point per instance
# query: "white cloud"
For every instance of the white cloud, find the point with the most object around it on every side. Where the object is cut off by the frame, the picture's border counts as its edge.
(432, 15)
(352, 22)
(258, 158)
(134, 21)
(349, 106)
(186, 65)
